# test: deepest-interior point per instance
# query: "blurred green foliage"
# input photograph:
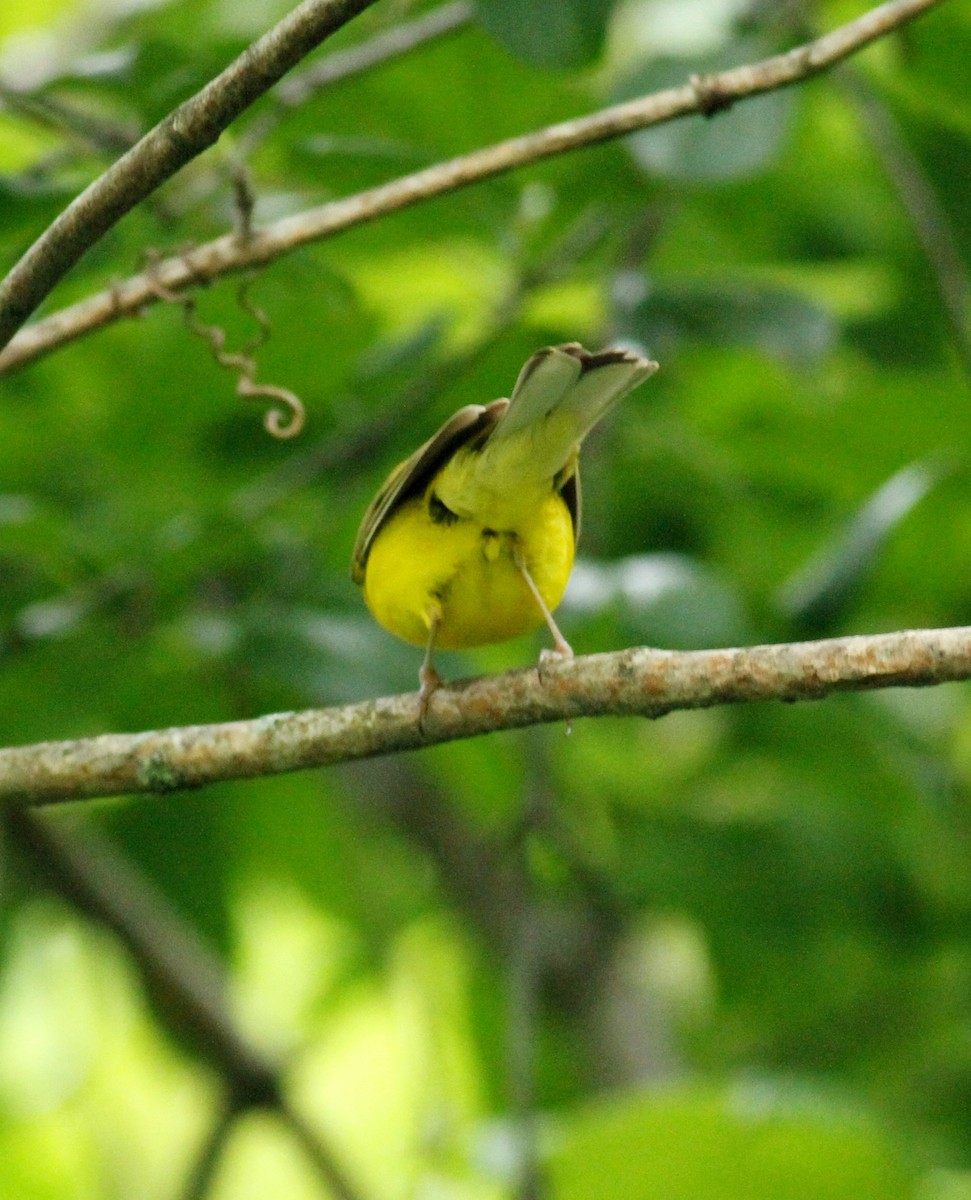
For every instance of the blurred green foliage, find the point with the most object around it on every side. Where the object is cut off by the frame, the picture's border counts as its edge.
(734, 944)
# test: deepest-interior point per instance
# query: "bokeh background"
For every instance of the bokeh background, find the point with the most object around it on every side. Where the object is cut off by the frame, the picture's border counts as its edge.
(723, 955)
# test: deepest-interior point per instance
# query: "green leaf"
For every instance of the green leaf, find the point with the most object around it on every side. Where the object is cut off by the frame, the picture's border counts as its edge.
(659, 600)
(569, 33)
(780, 322)
(744, 1142)
(817, 595)
(27, 202)
(728, 145)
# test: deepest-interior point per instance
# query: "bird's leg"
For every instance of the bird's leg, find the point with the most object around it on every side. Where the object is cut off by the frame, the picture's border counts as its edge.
(562, 648)
(428, 678)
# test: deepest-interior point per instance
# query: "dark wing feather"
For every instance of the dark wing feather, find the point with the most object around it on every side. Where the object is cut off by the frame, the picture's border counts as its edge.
(471, 424)
(569, 489)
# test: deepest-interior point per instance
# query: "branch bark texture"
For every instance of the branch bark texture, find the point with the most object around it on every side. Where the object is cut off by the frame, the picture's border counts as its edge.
(230, 253)
(642, 682)
(185, 133)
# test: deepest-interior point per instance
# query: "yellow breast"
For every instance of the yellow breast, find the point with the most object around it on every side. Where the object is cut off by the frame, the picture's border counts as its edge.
(464, 572)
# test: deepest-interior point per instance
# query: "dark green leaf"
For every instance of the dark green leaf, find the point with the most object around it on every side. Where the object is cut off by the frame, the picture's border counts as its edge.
(568, 33)
(817, 595)
(730, 144)
(747, 1141)
(657, 600)
(728, 313)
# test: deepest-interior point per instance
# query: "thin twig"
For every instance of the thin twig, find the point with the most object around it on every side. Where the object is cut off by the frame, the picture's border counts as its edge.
(95, 133)
(199, 1182)
(185, 979)
(180, 137)
(319, 1154)
(229, 254)
(927, 215)
(642, 682)
(300, 87)
(381, 48)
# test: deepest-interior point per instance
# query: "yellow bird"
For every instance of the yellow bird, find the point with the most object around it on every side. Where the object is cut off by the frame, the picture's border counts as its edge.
(471, 539)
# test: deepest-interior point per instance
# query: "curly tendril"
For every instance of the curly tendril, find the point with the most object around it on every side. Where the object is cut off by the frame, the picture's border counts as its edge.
(285, 422)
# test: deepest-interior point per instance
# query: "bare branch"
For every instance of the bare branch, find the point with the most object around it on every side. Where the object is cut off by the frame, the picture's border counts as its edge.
(94, 133)
(185, 133)
(642, 682)
(199, 1183)
(229, 253)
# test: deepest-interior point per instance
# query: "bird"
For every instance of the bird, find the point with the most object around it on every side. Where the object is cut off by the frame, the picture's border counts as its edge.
(471, 539)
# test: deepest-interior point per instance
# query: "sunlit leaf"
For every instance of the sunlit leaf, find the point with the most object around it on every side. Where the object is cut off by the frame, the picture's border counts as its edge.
(706, 1145)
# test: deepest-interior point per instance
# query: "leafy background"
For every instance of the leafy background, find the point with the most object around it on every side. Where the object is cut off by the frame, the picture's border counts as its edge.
(719, 956)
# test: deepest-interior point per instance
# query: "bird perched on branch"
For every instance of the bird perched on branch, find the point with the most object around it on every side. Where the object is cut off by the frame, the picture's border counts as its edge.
(471, 539)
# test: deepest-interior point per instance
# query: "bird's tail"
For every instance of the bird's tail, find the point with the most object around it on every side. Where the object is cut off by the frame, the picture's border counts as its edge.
(561, 393)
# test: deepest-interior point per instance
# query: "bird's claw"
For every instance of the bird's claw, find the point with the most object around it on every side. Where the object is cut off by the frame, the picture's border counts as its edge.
(561, 652)
(429, 681)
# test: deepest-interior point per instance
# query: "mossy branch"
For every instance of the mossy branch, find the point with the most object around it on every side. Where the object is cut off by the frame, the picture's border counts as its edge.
(642, 682)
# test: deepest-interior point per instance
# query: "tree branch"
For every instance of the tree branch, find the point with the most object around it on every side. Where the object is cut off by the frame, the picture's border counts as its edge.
(230, 253)
(636, 682)
(199, 1183)
(185, 133)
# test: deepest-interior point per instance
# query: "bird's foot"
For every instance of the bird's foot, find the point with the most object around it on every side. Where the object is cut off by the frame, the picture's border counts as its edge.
(429, 681)
(561, 652)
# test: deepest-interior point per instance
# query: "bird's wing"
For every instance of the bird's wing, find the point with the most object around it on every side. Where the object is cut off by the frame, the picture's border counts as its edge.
(568, 485)
(470, 424)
